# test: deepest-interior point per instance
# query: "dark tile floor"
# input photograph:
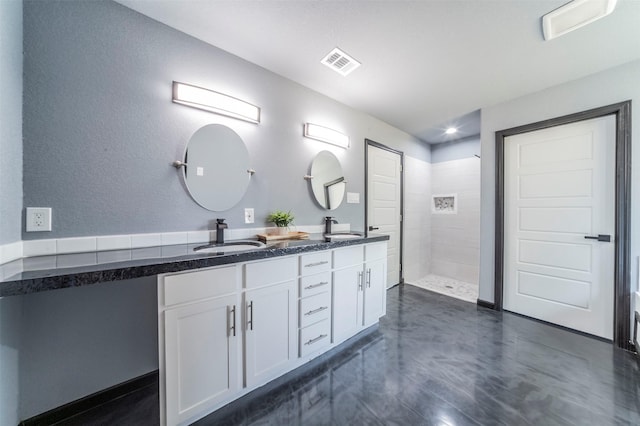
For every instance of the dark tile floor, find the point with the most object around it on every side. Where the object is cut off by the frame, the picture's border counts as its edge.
(436, 361)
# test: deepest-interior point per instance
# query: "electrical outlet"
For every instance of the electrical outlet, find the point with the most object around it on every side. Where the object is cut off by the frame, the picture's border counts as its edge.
(38, 219)
(248, 215)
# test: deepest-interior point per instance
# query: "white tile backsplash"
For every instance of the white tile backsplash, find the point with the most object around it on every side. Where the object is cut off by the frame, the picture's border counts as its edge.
(114, 242)
(146, 240)
(173, 238)
(195, 237)
(11, 252)
(75, 245)
(135, 246)
(39, 247)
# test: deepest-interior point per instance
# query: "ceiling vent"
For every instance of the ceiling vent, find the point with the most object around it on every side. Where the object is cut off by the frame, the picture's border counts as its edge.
(340, 62)
(573, 15)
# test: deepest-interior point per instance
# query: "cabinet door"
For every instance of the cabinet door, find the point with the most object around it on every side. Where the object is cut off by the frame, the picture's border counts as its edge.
(201, 355)
(374, 290)
(271, 322)
(347, 302)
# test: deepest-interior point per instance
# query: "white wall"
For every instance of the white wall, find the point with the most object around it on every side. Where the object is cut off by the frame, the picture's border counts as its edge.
(612, 86)
(417, 218)
(455, 238)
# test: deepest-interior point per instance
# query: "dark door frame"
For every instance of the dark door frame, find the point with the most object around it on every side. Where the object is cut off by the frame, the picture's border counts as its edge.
(622, 280)
(368, 143)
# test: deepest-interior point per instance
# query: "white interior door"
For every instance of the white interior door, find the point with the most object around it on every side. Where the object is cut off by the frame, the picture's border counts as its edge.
(384, 206)
(559, 189)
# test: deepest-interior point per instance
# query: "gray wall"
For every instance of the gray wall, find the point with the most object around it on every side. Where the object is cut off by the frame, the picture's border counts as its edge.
(100, 130)
(455, 150)
(609, 87)
(10, 120)
(77, 341)
(10, 197)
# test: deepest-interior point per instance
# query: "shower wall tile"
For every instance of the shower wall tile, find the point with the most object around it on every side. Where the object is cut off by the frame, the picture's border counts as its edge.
(455, 238)
(417, 218)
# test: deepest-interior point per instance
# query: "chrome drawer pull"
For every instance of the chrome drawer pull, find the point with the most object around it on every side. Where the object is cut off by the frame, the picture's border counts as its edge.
(232, 329)
(312, 341)
(320, 284)
(315, 311)
(309, 265)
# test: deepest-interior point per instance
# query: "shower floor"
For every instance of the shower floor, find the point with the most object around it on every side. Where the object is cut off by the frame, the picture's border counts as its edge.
(449, 287)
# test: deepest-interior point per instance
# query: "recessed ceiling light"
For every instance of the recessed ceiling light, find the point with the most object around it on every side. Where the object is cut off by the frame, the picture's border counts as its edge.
(340, 62)
(573, 15)
(451, 130)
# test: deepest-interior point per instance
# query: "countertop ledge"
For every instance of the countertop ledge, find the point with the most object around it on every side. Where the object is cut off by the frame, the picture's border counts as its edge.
(45, 273)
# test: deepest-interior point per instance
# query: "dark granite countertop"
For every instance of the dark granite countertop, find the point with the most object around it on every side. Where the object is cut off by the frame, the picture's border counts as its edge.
(44, 273)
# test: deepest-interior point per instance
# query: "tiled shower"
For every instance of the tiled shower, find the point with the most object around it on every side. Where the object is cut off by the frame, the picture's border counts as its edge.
(442, 202)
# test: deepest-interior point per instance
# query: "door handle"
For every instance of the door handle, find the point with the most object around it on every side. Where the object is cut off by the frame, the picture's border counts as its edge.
(373, 228)
(600, 237)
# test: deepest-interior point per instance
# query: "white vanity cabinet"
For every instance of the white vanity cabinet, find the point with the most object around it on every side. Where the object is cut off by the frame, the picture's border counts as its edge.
(270, 319)
(359, 295)
(227, 330)
(374, 283)
(199, 342)
(315, 302)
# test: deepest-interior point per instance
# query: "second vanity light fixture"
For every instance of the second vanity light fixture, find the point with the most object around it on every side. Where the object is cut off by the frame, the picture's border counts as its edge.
(218, 103)
(325, 134)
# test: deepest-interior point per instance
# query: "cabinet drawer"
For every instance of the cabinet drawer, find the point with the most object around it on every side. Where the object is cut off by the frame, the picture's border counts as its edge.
(314, 284)
(315, 337)
(313, 263)
(271, 271)
(191, 286)
(315, 308)
(347, 256)
(375, 251)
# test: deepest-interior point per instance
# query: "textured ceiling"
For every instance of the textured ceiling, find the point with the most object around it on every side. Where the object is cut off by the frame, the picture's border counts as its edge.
(425, 63)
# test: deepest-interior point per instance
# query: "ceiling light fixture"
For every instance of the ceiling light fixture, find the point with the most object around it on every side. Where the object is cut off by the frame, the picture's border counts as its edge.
(573, 15)
(451, 130)
(218, 103)
(340, 62)
(325, 134)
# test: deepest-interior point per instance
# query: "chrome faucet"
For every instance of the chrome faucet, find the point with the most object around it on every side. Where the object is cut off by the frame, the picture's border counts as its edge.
(220, 227)
(328, 220)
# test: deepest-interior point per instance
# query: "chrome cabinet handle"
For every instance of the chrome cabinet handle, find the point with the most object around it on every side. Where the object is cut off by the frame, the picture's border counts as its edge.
(360, 280)
(315, 311)
(309, 265)
(232, 329)
(312, 341)
(369, 278)
(250, 320)
(320, 284)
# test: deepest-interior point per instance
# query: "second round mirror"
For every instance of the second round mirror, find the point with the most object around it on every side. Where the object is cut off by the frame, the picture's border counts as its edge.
(328, 184)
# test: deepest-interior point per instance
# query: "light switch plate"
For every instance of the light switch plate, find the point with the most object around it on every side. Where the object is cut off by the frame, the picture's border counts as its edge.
(353, 197)
(248, 216)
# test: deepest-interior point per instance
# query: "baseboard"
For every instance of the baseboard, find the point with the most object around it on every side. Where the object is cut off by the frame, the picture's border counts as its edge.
(91, 401)
(486, 304)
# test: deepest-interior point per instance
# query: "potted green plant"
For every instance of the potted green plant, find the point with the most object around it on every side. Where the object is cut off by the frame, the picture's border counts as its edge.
(282, 220)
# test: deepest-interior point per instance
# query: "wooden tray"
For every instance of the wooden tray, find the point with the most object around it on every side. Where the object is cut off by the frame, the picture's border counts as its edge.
(290, 236)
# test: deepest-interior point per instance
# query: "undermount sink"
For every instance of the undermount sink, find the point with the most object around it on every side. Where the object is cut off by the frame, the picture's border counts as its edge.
(342, 236)
(229, 247)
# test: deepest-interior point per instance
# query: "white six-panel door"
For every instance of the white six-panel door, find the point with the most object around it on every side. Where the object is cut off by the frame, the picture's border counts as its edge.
(384, 208)
(559, 189)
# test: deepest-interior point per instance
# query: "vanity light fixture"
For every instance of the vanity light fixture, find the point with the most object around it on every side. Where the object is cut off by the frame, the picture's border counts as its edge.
(325, 134)
(573, 15)
(218, 103)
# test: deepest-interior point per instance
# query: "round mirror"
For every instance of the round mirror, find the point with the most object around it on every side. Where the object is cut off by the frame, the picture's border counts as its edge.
(327, 183)
(216, 171)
